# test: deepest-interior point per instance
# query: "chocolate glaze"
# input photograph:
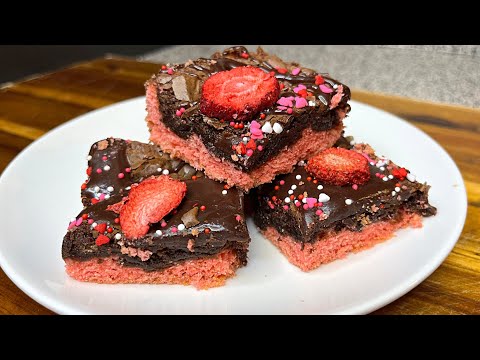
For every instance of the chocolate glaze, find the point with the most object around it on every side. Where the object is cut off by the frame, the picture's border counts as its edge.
(226, 231)
(219, 136)
(372, 202)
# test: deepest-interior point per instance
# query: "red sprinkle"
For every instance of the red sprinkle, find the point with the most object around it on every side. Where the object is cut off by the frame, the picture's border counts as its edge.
(203, 208)
(277, 187)
(262, 116)
(93, 201)
(194, 177)
(207, 231)
(89, 171)
(101, 240)
(309, 178)
(282, 70)
(319, 80)
(85, 216)
(109, 230)
(282, 86)
(274, 198)
(164, 67)
(245, 55)
(116, 221)
(84, 186)
(300, 197)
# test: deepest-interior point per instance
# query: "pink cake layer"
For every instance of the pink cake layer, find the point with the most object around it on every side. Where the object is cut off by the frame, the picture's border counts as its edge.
(338, 245)
(201, 273)
(193, 151)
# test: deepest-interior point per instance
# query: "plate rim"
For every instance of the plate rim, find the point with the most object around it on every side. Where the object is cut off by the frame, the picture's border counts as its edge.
(366, 307)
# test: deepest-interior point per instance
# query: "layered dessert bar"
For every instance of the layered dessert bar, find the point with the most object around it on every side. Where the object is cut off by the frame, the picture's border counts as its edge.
(150, 218)
(340, 201)
(244, 117)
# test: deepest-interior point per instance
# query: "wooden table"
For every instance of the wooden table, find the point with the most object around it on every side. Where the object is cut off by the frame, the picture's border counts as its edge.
(30, 108)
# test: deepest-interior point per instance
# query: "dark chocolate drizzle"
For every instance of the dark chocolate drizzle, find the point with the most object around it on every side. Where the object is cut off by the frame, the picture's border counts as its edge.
(219, 215)
(219, 136)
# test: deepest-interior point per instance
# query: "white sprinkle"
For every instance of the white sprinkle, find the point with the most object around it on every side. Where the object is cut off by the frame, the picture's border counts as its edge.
(224, 192)
(298, 177)
(267, 128)
(390, 176)
(96, 189)
(394, 193)
(287, 200)
(165, 172)
(245, 139)
(159, 169)
(277, 128)
(311, 103)
(94, 225)
(107, 196)
(385, 178)
(304, 200)
(293, 187)
(106, 168)
(301, 163)
(335, 86)
(110, 188)
(411, 177)
(397, 189)
(382, 168)
(128, 188)
(348, 201)
(323, 198)
(118, 236)
(352, 142)
(89, 157)
(181, 227)
(159, 232)
(320, 187)
(372, 163)
(290, 192)
(73, 219)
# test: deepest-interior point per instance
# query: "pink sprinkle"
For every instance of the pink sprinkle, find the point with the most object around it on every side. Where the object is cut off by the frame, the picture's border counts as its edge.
(320, 204)
(174, 229)
(367, 157)
(259, 147)
(102, 197)
(182, 110)
(282, 108)
(238, 218)
(104, 158)
(319, 212)
(249, 152)
(178, 113)
(71, 225)
(99, 171)
(296, 71)
(170, 71)
(285, 101)
(271, 205)
(121, 175)
(305, 206)
(285, 207)
(297, 203)
(232, 123)
(289, 111)
(300, 102)
(79, 221)
(311, 202)
(128, 170)
(256, 131)
(90, 221)
(355, 187)
(377, 174)
(282, 182)
(163, 224)
(299, 87)
(325, 89)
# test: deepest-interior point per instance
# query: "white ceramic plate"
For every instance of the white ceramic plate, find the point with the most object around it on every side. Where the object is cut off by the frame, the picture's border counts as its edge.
(39, 193)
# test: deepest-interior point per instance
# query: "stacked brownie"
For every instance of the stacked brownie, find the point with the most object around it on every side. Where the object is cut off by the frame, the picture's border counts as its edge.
(237, 124)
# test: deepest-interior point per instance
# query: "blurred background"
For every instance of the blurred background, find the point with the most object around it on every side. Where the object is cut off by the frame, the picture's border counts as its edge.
(438, 73)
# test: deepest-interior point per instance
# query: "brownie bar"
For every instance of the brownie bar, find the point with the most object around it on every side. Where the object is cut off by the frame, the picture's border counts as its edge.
(208, 223)
(283, 213)
(173, 103)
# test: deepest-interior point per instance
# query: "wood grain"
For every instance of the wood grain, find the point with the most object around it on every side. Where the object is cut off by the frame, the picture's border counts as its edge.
(30, 108)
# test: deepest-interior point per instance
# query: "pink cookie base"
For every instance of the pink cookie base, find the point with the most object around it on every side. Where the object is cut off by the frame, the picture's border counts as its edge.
(193, 151)
(201, 273)
(340, 244)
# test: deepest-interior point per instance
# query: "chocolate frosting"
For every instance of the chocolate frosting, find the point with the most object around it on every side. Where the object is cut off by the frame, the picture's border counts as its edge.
(182, 88)
(374, 201)
(218, 213)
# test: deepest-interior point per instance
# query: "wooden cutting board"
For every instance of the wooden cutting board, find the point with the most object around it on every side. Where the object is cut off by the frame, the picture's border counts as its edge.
(30, 108)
